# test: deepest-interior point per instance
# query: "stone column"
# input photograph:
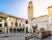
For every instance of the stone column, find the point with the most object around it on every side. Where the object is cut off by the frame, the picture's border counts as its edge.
(50, 18)
(2, 23)
(30, 29)
(18, 24)
(3, 27)
(14, 23)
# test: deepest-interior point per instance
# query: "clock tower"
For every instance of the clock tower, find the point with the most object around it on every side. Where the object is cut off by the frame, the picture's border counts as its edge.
(30, 16)
(30, 10)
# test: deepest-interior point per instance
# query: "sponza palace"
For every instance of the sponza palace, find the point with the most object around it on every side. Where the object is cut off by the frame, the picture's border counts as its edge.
(9, 23)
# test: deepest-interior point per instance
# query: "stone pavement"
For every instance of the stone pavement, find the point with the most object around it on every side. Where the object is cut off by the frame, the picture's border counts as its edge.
(19, 36)
(47, 38)
(13, 36)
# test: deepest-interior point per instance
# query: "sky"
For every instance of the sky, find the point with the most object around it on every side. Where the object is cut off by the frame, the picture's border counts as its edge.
(19, 8)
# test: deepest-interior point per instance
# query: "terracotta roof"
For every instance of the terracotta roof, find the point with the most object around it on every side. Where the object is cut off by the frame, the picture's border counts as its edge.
(50, 7)
(39, 17)
(33, 18)
(42, 16)
(7, 15)
(30, 1)
(3, 15)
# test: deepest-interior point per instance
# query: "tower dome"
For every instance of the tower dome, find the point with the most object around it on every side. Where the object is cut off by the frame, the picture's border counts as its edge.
(30, 1)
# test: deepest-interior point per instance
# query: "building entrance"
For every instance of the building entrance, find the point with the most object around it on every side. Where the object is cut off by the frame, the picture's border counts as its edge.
(34, 28)
(11, 30)
(0, 31)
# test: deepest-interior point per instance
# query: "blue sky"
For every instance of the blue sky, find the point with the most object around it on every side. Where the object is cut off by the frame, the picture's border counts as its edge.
(13, 7)
(19, 7)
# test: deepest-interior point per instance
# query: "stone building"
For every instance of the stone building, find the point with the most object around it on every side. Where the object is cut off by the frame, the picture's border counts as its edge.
(9, 22)
(44, 21)
(2, 22)
(40, 22)
(15, 22)
(30, 15)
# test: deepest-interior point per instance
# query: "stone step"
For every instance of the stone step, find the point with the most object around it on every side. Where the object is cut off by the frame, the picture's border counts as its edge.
(30, 36)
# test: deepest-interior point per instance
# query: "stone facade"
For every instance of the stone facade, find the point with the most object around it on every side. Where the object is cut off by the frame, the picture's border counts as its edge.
(40, 22)
(2, 21)
(44, 21)
(50, 18)
(11, 22)
(30, 15)
(30, 10)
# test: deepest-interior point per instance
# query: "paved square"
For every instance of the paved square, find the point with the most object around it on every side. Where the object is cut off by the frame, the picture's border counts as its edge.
(19, 36)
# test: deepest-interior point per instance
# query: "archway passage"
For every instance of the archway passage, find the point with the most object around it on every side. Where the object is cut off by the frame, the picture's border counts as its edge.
(16, 24)
(42, 29)
(14, 30)
(11, 30)
(0, 31)
(26, 29)
(18, 30)
(34, 28)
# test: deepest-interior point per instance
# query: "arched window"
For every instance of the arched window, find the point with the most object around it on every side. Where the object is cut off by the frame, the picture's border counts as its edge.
(5, 24)
(29, 6)
(19, 24)
(23, 25)
(26, 21)
(0, 25)
(16, 24)
(12, 23)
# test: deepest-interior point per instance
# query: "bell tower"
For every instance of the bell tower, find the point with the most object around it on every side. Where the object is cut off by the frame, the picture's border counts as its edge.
(30, 16)
(30, 10)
